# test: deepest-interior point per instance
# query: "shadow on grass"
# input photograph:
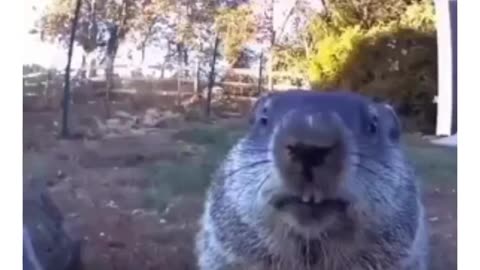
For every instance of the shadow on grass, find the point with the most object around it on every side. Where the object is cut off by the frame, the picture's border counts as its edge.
(192, 174)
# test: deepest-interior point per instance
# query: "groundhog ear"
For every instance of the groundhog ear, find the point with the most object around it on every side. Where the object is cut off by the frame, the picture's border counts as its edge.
(257, 105)
(394, 124)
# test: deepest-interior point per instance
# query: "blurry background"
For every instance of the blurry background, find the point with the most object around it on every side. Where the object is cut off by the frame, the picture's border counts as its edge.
(129, 164)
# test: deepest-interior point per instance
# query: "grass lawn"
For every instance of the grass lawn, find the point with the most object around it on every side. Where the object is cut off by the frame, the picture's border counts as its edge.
(192, 173)
(435, 164)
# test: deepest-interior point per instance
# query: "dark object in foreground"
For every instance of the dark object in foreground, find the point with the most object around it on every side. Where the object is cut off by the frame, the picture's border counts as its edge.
(46, 245)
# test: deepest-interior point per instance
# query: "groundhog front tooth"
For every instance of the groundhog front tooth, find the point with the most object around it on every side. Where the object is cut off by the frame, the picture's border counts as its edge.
(317, 198)
(310, 120)
(306, 197)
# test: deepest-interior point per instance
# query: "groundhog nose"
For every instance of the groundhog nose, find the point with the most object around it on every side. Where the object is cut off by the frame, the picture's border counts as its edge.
(309, 155)
(310, 147)
(310, 133)
(306, 122)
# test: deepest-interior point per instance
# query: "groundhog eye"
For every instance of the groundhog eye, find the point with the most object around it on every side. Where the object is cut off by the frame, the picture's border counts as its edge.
(373, 125)
(263, 121)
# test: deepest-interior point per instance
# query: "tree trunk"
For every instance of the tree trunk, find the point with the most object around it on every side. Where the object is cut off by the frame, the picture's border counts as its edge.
(46, 92)
(92, 37)
(142, 51)
(109, 71)
(271, 46)
(185, 62)
(179, 72)
(92, 67)
(83, 66)
(270, 70)
(211, 79)
(112, 47)
(325, 6)
(284, 24)
(117, 32)
(306, 47)
(162, 71)
(260, 75)
(66, 91)
(88, 67)
(196, 81)
(166, 59)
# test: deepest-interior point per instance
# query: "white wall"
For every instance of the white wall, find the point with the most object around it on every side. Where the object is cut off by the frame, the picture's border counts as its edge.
(445, 69)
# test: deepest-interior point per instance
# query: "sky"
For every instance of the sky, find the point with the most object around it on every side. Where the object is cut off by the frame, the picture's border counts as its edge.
(50, 55)
(36, 51)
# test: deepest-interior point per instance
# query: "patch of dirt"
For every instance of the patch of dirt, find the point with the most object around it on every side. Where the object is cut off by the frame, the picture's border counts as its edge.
(441, 204)
(100, 186)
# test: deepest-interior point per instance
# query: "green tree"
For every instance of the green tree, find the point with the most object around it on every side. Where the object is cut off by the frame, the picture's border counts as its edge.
(54, 25)
(236, 26)
(389, 53)
(151, 23)
(119, 21)
(294, 51)
(300, 11)
(368, 13)
(116, 16)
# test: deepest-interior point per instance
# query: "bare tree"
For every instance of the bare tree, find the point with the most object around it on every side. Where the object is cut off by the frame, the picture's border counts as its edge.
(117, 30)
(273, 34)
(179, 71)
(112, 47)
(260, 75)
(271, 29)
(196, 81)
(66, 94)
(211, 79)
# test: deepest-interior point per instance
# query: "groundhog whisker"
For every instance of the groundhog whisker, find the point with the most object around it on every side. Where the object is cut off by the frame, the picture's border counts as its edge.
(375, 162)
(248, 166)
(252, 152)
(267, 177)
(246, 149)
(360, 165)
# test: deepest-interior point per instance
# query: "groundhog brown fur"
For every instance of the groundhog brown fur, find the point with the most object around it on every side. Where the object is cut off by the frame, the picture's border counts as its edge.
(319, 181)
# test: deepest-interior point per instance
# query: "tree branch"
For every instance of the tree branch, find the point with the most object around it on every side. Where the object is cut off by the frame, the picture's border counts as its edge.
(284, 24)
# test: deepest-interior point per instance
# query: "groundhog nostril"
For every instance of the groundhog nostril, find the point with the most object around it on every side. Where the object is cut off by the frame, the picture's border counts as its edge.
(309, 155)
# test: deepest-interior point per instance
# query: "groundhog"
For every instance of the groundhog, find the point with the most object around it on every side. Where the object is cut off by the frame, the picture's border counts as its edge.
(320, 181)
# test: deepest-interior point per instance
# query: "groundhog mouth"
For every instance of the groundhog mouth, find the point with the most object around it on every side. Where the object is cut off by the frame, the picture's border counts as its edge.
(311, 208)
